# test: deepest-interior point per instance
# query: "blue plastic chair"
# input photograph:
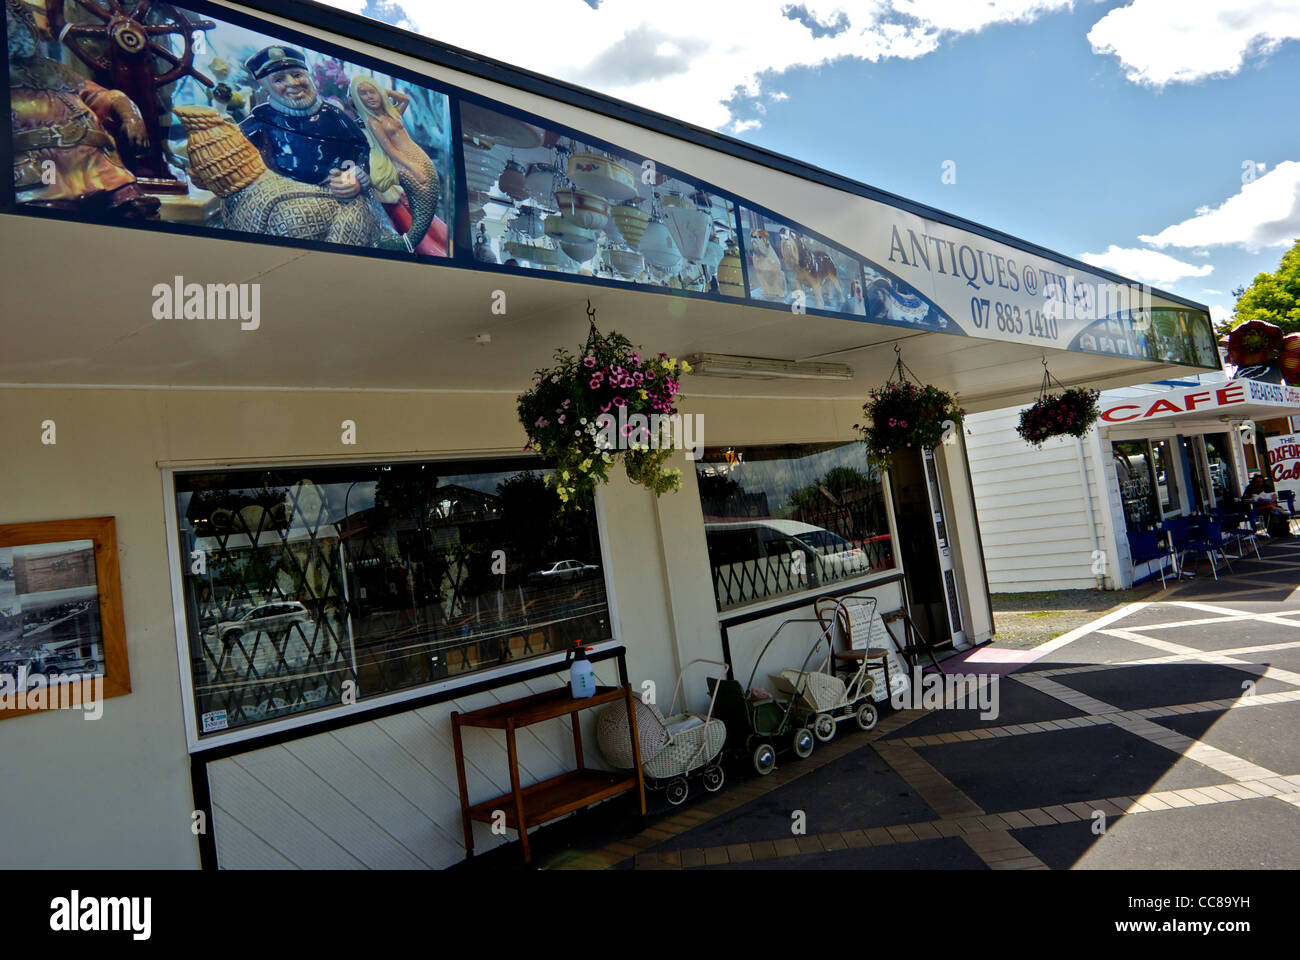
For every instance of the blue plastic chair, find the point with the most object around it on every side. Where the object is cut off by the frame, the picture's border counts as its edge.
(1233, 531)
(1289, 497)
(1210, 544)
(1145, 546)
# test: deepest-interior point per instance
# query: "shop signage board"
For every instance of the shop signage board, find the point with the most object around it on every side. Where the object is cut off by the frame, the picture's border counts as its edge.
(238, 125)
(1284, 462)
(1225, 396)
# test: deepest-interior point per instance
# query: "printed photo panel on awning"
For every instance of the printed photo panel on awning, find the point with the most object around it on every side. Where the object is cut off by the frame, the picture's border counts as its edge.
(229, 124)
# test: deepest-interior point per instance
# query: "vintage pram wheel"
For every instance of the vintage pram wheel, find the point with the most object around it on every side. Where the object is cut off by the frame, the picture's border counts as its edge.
(803, 743)
(824, 727)
(677, 790)
(713, 778)
(867, 716)
(764, 759)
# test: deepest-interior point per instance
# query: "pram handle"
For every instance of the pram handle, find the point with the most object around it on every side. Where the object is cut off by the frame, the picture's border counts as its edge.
(672, 708)
(785, 623)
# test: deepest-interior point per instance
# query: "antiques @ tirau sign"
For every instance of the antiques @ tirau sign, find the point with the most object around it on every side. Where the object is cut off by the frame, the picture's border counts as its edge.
(195, 118)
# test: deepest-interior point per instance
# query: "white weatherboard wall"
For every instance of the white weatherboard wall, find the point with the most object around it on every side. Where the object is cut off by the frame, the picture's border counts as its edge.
(382, 794)
(1033, 507)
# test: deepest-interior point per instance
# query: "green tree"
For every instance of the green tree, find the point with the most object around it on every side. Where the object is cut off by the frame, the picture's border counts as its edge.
(1274, 297)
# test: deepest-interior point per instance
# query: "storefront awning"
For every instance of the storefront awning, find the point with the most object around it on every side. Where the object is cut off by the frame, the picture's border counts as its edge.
(536, 198)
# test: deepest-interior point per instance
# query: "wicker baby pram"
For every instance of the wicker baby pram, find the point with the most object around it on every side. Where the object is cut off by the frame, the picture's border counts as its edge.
(822, 699)
(673, 748)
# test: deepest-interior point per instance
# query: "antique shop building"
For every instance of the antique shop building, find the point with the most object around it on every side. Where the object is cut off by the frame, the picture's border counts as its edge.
(283, 352)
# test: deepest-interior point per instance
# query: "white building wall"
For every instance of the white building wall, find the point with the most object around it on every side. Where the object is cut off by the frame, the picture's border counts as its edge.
(1032, 509)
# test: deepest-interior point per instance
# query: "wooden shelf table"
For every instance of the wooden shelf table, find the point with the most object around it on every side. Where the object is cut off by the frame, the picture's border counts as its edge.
(529, 806)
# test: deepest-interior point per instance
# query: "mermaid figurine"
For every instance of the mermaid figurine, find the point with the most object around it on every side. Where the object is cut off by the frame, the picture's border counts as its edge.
(402, 176)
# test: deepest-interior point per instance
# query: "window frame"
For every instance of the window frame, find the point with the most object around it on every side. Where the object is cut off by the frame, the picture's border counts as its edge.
(793, 599)
(382, 703)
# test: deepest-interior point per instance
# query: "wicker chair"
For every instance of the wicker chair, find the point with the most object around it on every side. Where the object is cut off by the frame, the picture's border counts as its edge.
(849, 660)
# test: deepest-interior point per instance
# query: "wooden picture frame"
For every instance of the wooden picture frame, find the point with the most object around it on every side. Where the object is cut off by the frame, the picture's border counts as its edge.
(67, 626)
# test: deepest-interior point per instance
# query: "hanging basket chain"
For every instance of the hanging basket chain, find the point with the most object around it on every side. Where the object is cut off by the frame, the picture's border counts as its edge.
(1048, 380)
(901, 370)
(593, 335)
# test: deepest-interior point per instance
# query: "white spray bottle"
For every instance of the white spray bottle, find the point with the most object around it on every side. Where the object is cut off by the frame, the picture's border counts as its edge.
(582, 675)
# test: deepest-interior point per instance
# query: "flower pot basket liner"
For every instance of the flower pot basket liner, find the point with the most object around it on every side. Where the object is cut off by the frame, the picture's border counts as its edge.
(905, 414)
(1070, 413)
(564, 415)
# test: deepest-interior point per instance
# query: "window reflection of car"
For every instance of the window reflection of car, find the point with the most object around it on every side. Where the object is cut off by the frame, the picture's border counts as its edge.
(749, 543)
(265, 618)
(833, 549)
(564, 570)
(267, 641)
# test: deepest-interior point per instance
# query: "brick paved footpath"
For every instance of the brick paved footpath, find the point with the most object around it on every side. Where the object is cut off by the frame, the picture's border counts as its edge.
(1162, 736)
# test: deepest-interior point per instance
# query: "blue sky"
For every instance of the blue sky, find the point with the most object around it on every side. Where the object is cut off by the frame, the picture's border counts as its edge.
(1153, 137)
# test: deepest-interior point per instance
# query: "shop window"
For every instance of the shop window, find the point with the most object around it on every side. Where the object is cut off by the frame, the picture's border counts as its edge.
(783, 519)
(1136, 484)
(309, 587)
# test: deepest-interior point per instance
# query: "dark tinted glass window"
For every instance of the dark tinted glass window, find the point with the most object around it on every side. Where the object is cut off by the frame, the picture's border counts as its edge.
(308, 584)
(781, 519)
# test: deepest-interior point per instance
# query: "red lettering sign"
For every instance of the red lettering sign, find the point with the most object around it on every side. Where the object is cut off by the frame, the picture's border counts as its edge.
(1161, 406)
(1236, 393)
(1111, 413)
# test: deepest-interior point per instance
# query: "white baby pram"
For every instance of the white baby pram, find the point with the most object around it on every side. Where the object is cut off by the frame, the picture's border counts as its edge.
(673, 748)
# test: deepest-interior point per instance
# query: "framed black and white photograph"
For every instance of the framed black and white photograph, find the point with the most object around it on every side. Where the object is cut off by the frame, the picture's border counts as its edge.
(60, 614)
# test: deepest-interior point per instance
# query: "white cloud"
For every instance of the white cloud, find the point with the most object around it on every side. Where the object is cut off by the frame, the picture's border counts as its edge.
(688, 59)
(1219, 313)
(1212, 293)
(740, 126)
(1181, 41)
(1264, 213)
(1147, 266)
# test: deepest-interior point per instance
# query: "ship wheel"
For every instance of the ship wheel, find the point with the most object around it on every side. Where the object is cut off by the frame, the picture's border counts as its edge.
(124, 50)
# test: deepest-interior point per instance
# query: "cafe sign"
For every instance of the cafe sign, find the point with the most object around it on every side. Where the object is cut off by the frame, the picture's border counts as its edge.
(1234, 393)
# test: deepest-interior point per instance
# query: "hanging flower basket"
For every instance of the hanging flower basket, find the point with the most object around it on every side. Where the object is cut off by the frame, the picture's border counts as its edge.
(606, 403)
(1067, 414)
(905, 414)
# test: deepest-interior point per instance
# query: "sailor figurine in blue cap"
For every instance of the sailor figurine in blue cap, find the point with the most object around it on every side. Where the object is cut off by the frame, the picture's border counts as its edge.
(300, 135)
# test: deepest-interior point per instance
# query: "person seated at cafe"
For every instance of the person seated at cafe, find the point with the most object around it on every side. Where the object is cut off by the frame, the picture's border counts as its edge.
(1261, 493)
(1258, 491)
